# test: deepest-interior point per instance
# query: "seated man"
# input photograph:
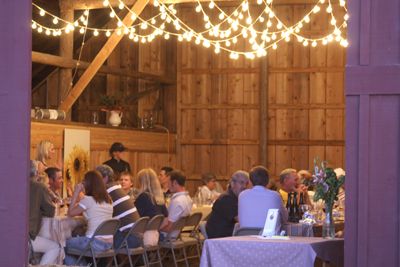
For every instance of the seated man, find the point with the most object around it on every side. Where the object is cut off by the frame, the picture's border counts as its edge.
(254, 203)
(180, 204)
(225, 209)
(123, 207)
(289, 181)
(40, 205)
(55, 183)
(207, 192)
(164, 180)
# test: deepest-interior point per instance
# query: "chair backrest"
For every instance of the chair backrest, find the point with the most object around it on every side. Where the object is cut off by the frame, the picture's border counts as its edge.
(137, 229)
(108, 227)
(247, 231)
(177, 228)
(140, 226)
(193, 220)
(155, 222)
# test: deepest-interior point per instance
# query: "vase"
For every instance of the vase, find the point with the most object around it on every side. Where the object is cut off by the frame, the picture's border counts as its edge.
(115, 117)
(328, 226)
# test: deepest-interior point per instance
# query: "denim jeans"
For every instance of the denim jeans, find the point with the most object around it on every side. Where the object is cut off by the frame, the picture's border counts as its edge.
(80, 243)
(133, 241)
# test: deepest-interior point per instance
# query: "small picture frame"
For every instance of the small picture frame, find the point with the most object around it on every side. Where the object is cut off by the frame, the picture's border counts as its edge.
(271, 223)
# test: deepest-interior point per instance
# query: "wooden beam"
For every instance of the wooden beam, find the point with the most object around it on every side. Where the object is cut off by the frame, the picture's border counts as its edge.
(264, 111)
(97, 4)
(47, 59)
(101, 57)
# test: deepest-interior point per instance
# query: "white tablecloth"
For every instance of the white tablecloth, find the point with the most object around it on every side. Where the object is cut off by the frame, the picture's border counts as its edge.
(59, 229)
(205, 210)
(252, 251)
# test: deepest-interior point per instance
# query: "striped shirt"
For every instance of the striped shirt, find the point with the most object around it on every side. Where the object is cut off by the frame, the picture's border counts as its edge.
(123, 207)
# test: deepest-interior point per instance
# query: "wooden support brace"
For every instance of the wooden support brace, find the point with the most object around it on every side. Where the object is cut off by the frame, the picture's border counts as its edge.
(101, 57)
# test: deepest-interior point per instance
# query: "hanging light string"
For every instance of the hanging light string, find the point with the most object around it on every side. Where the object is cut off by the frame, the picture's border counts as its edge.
(224, 34)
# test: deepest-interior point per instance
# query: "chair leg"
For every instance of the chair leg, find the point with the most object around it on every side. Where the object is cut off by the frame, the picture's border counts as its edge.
(159, 257)
(129, 257)
(173, 256)
(185, 257)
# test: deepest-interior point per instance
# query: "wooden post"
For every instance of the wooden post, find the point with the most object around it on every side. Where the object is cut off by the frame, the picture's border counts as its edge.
(66, 51)
(101, 57)
(264, 111)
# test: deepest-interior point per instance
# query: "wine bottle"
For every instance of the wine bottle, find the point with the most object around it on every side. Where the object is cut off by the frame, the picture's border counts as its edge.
(295, 208)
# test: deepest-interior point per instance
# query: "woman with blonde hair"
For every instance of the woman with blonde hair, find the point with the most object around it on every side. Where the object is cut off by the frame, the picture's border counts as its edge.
(44, 152)
(150, 202)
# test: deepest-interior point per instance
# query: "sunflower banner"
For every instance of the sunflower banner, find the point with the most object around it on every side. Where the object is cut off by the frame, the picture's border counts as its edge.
(76, 158)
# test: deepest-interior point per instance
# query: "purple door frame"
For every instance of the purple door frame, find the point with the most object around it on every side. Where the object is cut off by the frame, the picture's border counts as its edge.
(15, 102)
(372, 231)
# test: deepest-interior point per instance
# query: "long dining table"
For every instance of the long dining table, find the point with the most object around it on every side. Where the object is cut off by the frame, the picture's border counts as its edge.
(296, 251)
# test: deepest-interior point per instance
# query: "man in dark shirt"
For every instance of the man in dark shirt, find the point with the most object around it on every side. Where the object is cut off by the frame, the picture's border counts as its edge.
(225, 209)
(116, 162)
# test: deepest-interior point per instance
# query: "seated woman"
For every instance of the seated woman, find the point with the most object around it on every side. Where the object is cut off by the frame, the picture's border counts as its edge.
(126, 182)
(150, 202)
(207, 192)
(96, 208)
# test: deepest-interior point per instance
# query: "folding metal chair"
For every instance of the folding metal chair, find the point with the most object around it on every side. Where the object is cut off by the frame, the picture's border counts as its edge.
(138, 230)
(173, 242)
(193, 238)
(154, 225)
(108, 227)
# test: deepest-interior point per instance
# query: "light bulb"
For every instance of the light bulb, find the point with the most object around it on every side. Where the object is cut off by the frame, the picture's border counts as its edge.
(305, 43)
(118, 32)
(136, 38)
(324, 42)
(121, 5)
(198, 8)
(342, 3)
(166, 36)
(333, 21)
(211, 5)
(316, 9)
(227, 43)
(55, 21)
(105, 3)
(40, 29)
(221, 16)
(112, 14)
(180, 38)
(279, 26)
(119, 23)
(261, 19)
(329, 9)
(344, 43)
(82, 30)
(34, 25)
(314, 44)
(249, 20)
(273, 36)
(95, 33)
(259, 2)
(234, 40)
(42, 12)
(274, 46)
(108, 33)
(322, 1)
(346, 17)
(86, 12)
(306, 19)
(287, 38)
(133, 16)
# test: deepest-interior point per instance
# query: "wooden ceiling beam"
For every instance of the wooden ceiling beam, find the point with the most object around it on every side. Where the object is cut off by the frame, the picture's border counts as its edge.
(101, 57)
(98, 4)
(62, 62)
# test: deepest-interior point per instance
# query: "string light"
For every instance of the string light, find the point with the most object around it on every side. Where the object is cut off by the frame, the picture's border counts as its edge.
(241, 23)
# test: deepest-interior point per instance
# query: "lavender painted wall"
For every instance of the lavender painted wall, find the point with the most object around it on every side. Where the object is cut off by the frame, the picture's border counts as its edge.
(373, 134)
(15, 91)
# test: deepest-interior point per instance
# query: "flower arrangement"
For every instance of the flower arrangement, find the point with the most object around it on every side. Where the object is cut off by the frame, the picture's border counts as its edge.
(110, 102)
(326, 184)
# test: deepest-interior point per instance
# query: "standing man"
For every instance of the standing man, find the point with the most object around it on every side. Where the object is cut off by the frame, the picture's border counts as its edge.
(164, 180)
(55, 183)
(254, 203)
(123, 207)
(224, 212)
(181, 203)
(116, 162)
